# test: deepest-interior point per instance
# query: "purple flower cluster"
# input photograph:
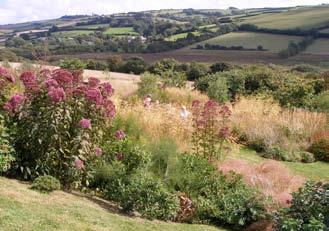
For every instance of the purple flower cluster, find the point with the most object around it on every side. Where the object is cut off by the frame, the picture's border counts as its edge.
(93, 82)
(94, 96)
(63, 77)
(120, 135)
(98, 151)
(56, 94)
(78, 164)
(5, 76)
(14, 103)
(107, 89)
(29, 80)
(50, 82)
(85, 123)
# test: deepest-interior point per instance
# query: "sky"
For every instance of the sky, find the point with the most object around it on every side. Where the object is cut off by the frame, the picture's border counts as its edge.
(14, 11)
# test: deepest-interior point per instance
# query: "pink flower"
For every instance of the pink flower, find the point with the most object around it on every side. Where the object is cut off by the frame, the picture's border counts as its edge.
(107, 89)
(120, 135)
(13, 104)
(224, 133)
(94, 96)
(4, 73)
(63, 77)
(85, 123)
(109, 109)
(78, 164)
(29, 80)
(119, 156)
(51, 83)
(56, 94)
(93, 82)
(80, 91)
(98, 151)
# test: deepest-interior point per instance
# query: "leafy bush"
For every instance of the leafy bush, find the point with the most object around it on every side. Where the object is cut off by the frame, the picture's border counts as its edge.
(148, 85)
(53, 134)
(321, 102)
(6, 150)
(218, 90)
(309, 209)
(72, 64)
(7, 81)
(320, 146)
(210, 122)
(135, 65)
(196, 70)
(219, 199)
(144, 193)
(46, 184)
(173, 78)
(220, 67)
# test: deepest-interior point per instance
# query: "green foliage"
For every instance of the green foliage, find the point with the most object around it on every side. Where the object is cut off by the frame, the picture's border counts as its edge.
(219, 199)
(95, 65)
(149, 84)
(196, 70)
(320, 148)
(164, 65)
(46, 184)
(135, 65)
(309, 209)
(173, 78)
(114, 63)
(220, 67)
(6, 150)
(145, 194)
(72, 65)
(321, 102)
(218, 90)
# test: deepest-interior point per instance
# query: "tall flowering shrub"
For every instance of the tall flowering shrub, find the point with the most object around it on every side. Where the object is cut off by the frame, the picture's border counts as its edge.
(7, 80)
(58, 122)
(210, 122)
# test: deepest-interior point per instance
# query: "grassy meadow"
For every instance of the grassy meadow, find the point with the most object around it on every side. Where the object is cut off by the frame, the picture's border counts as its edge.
(120, 31)
(72, 33)
(303, 18)
(180, 36)
(252, 40)
(320, 46)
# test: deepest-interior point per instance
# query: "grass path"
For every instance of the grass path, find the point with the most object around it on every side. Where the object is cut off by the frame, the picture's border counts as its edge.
(313, 171)
(24, 209)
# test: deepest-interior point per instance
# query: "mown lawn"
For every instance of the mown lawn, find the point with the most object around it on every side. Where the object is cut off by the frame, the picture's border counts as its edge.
(24, 209)
(251, 40)
(312, 171)
(121, 31)
(304, 18)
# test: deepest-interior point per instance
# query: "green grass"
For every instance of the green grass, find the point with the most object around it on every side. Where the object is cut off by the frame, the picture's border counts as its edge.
(304, 18)
(313, 171)
(121, 31)
(96, 26)
(320, 46)
(173, 38)
(72, 33)
(26, 210)
(270, 42)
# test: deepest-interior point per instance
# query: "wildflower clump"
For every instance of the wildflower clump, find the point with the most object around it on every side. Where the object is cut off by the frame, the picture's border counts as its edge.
(58, 122)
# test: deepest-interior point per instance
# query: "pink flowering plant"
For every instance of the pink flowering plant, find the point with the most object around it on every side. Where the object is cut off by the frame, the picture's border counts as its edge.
(7, 82)
(210, 123)
(59, 123)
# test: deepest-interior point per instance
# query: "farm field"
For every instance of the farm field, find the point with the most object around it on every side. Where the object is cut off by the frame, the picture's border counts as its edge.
(304, 18)
(320, 46)
(96, 26)
(180, 36)
(120, 31)
(72, 33)
(270, 42)
(28, 210)
(325, 31)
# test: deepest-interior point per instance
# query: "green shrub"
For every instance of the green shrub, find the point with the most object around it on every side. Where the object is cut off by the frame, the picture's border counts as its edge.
(72, 65)
(173, 78)
(321, 102)
(309, 209)
(196, 70)
(149, 84)
(220, 67)
(219, 199)
(277, 153)
(46, 184)
(306, 157)
(145, 194)
(218, 90)
(6, 150)
(135, 65)
(320, 149)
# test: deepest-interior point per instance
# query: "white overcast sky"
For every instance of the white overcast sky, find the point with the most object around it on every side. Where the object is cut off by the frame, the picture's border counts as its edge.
(13, 11)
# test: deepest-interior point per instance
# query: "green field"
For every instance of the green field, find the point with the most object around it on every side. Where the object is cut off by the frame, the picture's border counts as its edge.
(121, 31)
(320, 46)
(304, 18)
(173, 38)
(312, 171)
(96, 26)
(27, 210)
(72, 33)
(270, 42)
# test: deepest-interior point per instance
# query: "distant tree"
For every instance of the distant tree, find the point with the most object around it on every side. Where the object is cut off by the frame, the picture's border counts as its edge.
(135, 65)
(196, 70)
(219, 67)
(260, 47)
(114, 63)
